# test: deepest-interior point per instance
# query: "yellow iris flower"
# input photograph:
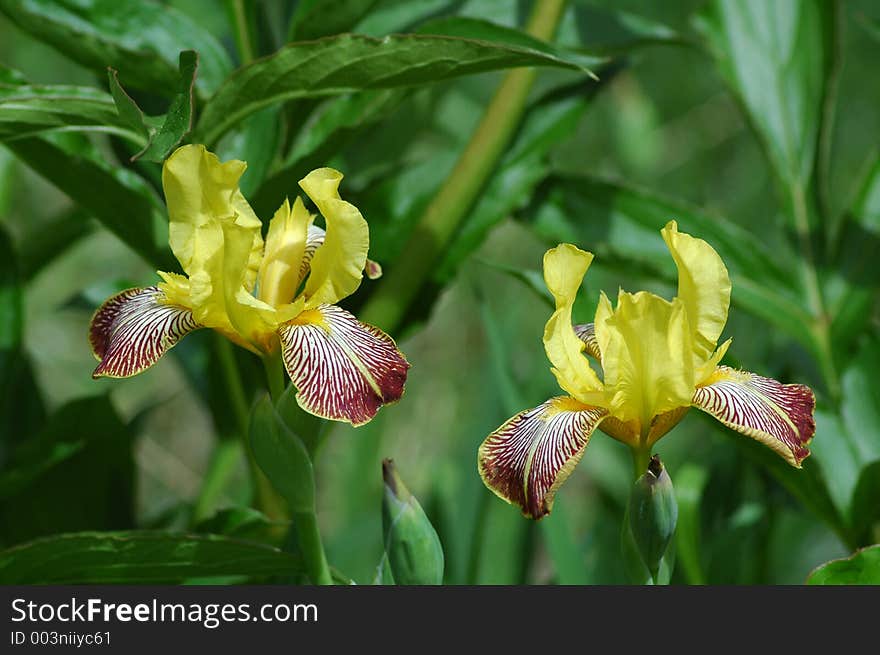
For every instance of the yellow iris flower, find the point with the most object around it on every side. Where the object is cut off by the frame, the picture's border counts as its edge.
(658, 359)
(263, 295)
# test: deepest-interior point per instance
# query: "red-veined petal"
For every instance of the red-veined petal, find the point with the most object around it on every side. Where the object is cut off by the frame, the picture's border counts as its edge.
(343, 369)
(526, 460)
(586, 332)
(778, 415)
(133, 329)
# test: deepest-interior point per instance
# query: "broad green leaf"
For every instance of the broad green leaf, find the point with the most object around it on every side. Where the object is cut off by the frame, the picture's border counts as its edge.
(163, 133)
(690, 480)
(348, 63)
(118, 198)
(282, 456)
(620, 223)
(139, 557)
(863, 567)
(139, 38)
(26, 110)
(836, 450)
(315, 18)
(309, 428)
(476, 29)
(82, 455)
(776, 57)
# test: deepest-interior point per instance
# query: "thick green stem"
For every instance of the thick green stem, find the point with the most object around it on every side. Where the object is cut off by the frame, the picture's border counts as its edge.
(311, 548)
(641, 458)
(449, 208)
(242, 31)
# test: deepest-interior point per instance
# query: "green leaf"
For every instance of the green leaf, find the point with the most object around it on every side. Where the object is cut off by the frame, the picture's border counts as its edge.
(620, 223)
(476, 29)
(347, 63)
(315, 18)
(282, 456)
(777, 57)
(163, 133)
(82, 455)
(860, 406)
(863, 567)
(139, 38)
(139, 557)
(71, 163)
(256, 140)
(27, 110)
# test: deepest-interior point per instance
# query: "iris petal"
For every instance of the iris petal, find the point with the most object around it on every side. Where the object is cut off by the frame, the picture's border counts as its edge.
(133, 329)
(703, 286)
(527, 459)
(564, 269)
(337, 266)
(778, 415)
(343, 369)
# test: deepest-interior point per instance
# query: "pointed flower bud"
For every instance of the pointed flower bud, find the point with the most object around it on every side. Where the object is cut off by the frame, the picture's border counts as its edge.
(411, 543)
(653, 512)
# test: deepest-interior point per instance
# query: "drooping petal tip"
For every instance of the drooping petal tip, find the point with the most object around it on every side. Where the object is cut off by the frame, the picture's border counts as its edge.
(526, 460)
(133, 329)
(778, 415)
(343, 369)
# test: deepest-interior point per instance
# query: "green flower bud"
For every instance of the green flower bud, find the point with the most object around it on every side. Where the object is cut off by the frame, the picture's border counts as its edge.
(411, 543)
(653, 513)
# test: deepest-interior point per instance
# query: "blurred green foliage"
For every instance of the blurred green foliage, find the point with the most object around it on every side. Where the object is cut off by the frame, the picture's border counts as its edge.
(752, 123)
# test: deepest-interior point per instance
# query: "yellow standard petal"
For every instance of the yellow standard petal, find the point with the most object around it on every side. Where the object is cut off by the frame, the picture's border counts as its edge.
(279, 274)
(703, 286)
(564, 270)
(646, 357)
(337, 267)
(201, 193)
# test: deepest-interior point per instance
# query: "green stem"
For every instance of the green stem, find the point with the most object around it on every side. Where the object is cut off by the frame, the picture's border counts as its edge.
(450, 206)
(242, 32)
(311, 548)
(641, 457)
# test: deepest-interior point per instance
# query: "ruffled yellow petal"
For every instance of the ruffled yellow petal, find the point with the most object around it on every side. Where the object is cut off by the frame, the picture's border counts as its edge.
(703, 287)
(646, 354)
(564, 269)
(201, 194)
(279, 274)
(337, 267)
(253, 320)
